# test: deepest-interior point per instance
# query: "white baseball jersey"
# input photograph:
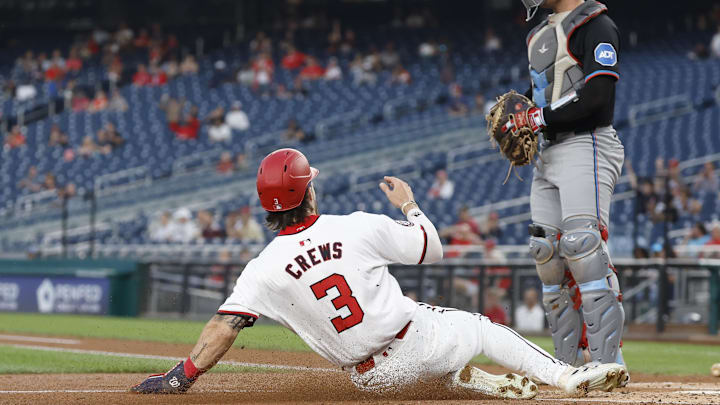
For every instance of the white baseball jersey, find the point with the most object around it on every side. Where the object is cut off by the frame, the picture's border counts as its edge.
(327, 280)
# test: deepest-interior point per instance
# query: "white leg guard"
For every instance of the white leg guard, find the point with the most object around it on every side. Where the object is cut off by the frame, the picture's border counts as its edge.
(564, 319)
(589, 263)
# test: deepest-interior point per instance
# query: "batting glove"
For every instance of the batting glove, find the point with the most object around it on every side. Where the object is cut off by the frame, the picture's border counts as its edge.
(531, 118)
(174, 381)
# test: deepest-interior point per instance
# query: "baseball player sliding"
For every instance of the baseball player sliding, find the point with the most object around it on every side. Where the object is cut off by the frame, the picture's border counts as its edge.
(325, 277)
(573, 66)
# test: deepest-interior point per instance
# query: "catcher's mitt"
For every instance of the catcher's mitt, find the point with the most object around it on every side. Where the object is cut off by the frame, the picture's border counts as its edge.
(508, 129)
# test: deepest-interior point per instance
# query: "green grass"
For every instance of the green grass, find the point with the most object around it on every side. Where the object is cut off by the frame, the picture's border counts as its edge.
(28, 361)
(266, 337)
(644, 357)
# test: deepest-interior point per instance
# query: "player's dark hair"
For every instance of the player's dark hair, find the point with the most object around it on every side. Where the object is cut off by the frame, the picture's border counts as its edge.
(277, 221)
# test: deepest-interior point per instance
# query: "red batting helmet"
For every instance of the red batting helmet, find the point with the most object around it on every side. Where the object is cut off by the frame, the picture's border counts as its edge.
(283, 178)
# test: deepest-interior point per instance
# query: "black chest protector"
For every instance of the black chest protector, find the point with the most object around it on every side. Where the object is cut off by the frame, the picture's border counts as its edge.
(555, 72)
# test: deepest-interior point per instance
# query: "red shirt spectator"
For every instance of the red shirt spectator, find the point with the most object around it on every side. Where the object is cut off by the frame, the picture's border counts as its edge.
(53, 73)
(159, 78)
(312, 71)
(263, 67)
(73, 62)
(141, 77)
(80, 102)
(187, 130)
(293, 59)
(15, 138)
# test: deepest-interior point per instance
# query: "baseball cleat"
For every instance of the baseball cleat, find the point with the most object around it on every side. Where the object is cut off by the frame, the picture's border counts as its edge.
(624, 381)
(507, 386)
(592, 377)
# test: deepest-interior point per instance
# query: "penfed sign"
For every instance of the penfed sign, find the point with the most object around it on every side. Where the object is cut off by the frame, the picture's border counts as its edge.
(75, 295)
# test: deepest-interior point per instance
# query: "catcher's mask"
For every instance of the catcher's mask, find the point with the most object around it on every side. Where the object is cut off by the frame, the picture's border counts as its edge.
(532, 7)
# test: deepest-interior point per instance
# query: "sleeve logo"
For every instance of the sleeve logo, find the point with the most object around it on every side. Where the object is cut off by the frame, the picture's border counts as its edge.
(605, 54)
(404, 223)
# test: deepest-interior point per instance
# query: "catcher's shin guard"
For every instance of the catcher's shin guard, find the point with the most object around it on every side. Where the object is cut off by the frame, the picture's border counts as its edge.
(582, 246)
(561, 310)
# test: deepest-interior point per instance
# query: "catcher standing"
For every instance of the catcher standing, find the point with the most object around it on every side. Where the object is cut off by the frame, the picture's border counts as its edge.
(573, 67)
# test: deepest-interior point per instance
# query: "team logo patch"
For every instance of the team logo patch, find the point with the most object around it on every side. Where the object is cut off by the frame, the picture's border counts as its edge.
(404, 223)
(605, 54)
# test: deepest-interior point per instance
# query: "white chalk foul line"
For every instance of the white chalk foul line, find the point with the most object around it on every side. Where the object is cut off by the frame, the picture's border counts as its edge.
(39, 339)
(623, 401)
(155, 357)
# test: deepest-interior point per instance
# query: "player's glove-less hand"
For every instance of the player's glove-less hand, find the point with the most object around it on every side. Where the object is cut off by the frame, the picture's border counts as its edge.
(173, 382)
(513, 124)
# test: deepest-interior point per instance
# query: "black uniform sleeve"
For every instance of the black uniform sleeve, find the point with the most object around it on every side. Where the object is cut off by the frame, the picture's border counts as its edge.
(595, 47)
(600, 43)
(596, 94)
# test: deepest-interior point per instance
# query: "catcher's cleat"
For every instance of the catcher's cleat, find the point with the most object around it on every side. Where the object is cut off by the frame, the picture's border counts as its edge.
(592, 377)
(172, 382)
(507, 386)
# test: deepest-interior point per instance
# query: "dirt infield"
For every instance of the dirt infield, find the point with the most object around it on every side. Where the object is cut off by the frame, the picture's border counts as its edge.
(308, 379)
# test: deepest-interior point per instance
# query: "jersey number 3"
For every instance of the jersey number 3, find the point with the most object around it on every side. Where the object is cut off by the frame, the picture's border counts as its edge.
(345, 299)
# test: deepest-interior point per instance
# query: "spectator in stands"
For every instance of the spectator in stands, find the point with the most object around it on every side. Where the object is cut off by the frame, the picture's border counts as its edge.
(80, 102)
(189, 127)
(389, 56)
(141, 76)
(312, 70)
(171, 67)
(244, 227)
(715, 43)
(54, 72)
(49, 182)
(30, 182)
(15, 138)
(67, 192)
(184, 230)
(241, 162)
(58, 137)
(481, 105)
(333, 71)
(493, 307)
(160, 230)
(707, 180)
(236, 118)
(460, 234)
(683, 202)
(172, 108)
(261, 43)
(530, 317)
(99, 103)
(219, 130)
(400, 75)
(264, 69)
(225, 165)
(457, 107)
(714, 242)
(117, 102)
(157, 76)
(360, 74)
(442, 188)
(492, 230)
(143, 39)
(74, 63)
(114, 139)
(209, 228)
(293, 59)
(293, 132)
(464, 217)
(428, 49)
(492, 41)
(245, 75)
(88, 147)
(348, 43)
(334, 37)
(696, 238)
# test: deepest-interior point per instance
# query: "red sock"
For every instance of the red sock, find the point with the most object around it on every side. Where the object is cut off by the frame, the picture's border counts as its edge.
(190, 370)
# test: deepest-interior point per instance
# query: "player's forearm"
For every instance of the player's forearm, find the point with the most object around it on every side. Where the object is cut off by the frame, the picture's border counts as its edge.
(596, 94)
(215, 340)
(433, 252)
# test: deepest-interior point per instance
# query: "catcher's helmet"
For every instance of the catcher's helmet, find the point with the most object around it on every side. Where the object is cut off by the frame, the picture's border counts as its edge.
(532, 7)
(283, 178)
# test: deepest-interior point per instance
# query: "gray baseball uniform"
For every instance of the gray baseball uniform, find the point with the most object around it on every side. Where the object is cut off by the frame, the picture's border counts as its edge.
(573, 66)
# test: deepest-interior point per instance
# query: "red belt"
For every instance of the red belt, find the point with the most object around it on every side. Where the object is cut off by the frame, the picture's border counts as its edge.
(369, 364)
